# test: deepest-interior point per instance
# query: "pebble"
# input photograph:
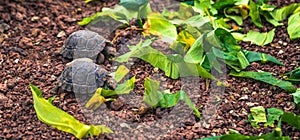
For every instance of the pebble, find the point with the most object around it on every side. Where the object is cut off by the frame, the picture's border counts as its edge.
(35, 18)
(251, 104)
(61, 34)
(4, 27)
(280, 52)
(245, 97)
(16, 61)
(284, 44)
(19, 16)
(3, 98)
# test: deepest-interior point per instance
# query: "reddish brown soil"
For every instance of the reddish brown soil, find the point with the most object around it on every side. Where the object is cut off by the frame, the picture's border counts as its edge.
(32, 34)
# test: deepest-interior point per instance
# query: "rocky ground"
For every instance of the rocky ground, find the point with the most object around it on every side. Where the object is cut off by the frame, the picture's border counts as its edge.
(32, 33)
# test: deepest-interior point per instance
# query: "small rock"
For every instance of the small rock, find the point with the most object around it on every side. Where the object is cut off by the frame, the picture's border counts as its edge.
(251, 104)
(284, 43)
(61, 34)
(125, 125)
(45, 20)
(245, 97)
(244, 111)
(3, 98)
(11, 84)
(35, 32)
(16, 61)
(4, 27)
(280, 52)
(35, 18)
(280, 42)
(19, 16)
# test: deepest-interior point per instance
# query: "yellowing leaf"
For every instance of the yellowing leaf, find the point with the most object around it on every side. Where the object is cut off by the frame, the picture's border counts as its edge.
(258, 115)
(96, 100)
(61, 120)
(186, 38)
(158, 25)
(120, 73)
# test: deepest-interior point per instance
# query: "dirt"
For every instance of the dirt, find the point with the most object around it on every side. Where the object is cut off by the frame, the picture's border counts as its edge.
(32, 34)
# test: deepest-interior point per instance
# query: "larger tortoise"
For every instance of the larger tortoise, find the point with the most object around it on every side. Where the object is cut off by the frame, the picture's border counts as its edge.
(87, 44)
(82, 76)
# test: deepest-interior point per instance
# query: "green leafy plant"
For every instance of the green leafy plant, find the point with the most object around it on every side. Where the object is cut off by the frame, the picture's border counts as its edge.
(61, 120)
(165, 99)
(294, 75)
(267, 78)
(258, 38)
(258, 115)
(274, 114)
(173, 65)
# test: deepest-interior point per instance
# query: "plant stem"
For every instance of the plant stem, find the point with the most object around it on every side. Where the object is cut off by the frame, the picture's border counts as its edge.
(211, 20)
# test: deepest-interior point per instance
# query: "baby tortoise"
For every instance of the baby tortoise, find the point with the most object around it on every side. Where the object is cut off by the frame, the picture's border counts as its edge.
(87, 44)
(82, 76)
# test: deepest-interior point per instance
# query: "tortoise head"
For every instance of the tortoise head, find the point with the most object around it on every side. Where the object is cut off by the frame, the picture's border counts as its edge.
(111, 83)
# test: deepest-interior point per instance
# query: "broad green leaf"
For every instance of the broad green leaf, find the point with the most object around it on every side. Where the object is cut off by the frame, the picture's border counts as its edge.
(133, 4)
(202, 6)
(270, 19)
(151, 96)
(258, 114)
(195, 53)
(257, 56)
(266, 7)
(173, 65)
(213, 62)
(273, 115)
(282, 13)
(87, 20)
(158, 25)
(242, 59)
(258, 38)
(267, 78)
(123, 88)
(236, 18)
(293, 28)
(227, 41)
(201, 23)
(238, 36)
(294, 75)
(292, 119)
(61, 120)
(254, 14)
(220, 5)
(120, 73)
(165, 99)
(117, 14)
(221, 23)
(228, 50)
(296, 96)
(241, 2)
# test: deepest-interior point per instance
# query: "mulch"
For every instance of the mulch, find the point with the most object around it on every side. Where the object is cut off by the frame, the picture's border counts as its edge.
(32, 33)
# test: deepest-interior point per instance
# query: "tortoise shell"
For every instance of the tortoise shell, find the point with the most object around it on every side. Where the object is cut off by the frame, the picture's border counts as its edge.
(83, 44)
(82, 76)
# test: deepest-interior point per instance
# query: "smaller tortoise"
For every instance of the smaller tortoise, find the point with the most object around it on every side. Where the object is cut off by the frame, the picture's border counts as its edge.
(82, 76)
(87, 44)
